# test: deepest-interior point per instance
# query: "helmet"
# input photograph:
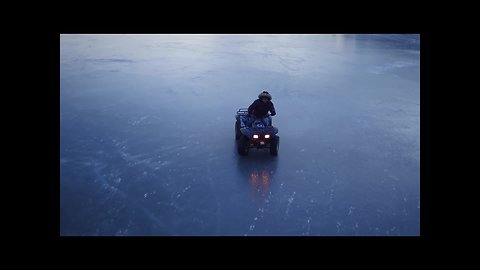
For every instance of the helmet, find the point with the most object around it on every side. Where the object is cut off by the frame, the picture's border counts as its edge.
(265, 94)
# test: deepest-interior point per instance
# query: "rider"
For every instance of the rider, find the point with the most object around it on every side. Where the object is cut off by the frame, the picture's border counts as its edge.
(260, 109)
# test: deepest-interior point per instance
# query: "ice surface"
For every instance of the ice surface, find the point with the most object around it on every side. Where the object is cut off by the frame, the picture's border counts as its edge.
(147, 135)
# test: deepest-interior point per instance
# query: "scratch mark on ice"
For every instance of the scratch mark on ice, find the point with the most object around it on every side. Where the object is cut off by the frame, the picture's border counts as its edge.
(308, 226)
(290, 200)
(183, 191)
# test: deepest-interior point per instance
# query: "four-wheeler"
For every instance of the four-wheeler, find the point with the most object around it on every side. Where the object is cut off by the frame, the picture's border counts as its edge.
(260, 134)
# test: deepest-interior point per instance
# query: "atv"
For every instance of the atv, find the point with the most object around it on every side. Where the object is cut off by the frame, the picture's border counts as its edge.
(260, 134)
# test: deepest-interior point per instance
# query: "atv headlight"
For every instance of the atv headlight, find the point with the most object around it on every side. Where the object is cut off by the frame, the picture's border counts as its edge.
(255, 136)
(267, 136)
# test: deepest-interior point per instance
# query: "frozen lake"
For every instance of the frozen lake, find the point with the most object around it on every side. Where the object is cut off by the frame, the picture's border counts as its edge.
(147, 141)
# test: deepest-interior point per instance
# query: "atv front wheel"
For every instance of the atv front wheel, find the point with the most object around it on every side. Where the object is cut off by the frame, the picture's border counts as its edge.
(274, 145)
(243, 146)
(237, 130)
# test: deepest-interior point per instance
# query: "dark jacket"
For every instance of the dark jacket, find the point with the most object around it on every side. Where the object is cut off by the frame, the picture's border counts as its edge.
(260, 109)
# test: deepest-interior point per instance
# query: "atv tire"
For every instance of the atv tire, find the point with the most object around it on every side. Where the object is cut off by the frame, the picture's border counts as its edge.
(243, 146)
(274, 145)
(237, 130)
